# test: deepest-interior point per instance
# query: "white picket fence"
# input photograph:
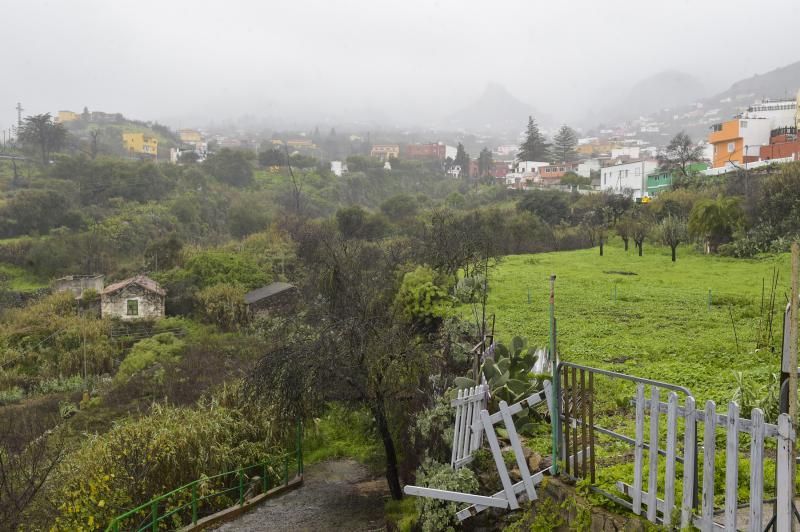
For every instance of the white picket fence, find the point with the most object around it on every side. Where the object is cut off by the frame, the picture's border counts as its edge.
(467, 440)
(758, 431)
(469, 429)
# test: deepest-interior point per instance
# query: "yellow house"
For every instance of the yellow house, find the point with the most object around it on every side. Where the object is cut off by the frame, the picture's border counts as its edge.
(190, 135)
(138, 145)
(67, 116)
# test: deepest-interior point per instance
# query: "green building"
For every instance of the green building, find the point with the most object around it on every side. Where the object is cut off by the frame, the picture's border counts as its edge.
(659, 181)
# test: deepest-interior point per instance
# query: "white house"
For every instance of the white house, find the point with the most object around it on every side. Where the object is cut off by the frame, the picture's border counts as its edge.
(628, 151)
(454, 171)
(530, 166)
(586, 167)
(779, 113)
(338, 168)
(627, 178)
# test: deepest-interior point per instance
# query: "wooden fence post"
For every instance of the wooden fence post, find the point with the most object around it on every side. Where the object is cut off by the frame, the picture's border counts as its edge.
(709, 449)
(731, 466)
(689, 462)
(785, 506)
(756, 470)
(637, 456)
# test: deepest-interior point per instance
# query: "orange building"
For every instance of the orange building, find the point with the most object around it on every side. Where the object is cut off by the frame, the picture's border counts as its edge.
(739, 140)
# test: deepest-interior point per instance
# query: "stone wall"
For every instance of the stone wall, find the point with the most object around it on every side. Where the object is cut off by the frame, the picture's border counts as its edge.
(151, 305)
(560, 508)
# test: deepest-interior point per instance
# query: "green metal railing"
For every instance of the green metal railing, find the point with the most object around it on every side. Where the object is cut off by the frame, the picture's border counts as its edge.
(208, 495)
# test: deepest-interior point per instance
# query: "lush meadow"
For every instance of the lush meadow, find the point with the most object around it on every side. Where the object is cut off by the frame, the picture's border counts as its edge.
(650, 317)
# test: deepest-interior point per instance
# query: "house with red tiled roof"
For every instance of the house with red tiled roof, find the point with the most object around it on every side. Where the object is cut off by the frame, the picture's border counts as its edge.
(139, 297)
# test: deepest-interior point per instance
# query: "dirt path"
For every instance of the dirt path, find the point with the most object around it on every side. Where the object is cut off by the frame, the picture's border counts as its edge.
(335, 495)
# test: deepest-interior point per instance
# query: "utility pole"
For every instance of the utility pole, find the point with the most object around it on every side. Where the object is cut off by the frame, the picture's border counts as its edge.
(19, 114)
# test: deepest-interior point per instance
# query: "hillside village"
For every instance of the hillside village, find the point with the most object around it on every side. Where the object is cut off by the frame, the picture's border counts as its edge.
(398, 276)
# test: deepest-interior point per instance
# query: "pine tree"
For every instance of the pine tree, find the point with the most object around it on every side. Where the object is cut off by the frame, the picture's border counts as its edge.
(534, 147)
(484, 162)
(564, 144)
(462, 160)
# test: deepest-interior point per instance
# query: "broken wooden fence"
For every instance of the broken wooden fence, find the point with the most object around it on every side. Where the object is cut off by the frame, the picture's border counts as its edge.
(485, 425)
(467, 440)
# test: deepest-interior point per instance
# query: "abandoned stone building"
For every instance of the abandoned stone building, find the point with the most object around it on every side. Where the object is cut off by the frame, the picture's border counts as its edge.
(78, 284)
(136, 298)
(273, 298)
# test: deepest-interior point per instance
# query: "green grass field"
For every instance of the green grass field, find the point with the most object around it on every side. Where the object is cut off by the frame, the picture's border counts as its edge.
(659, 326)
(19, 279)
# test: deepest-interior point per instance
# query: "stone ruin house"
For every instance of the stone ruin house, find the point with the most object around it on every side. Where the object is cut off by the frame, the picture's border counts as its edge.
(136, 298)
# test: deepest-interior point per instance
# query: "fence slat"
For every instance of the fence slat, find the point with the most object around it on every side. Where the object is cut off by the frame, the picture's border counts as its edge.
(689, 463)
(591, 427)
(756, 470)
(467, 434)
(575, 451)
(637, 460)
(584, 435)
(567, 412)
(652, 484)
(669, 471)
(732, 466)
(518, 454)
(783, 485)
(709, 443)
(488, 428)
(457, 431)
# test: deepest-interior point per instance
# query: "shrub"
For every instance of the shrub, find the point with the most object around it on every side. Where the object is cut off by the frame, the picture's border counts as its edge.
(223, 305)
(143, 458)
(436, 515)
(420, 299)
(161, 349)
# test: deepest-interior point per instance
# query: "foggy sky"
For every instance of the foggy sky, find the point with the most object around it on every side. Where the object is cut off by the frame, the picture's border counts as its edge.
(411, 62)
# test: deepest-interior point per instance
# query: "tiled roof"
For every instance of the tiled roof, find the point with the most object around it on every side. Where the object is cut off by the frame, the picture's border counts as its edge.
(142, 280)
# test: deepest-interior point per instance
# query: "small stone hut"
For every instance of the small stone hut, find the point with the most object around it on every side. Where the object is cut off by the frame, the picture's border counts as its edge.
(78, 284)
(135, 298)
(274, 298)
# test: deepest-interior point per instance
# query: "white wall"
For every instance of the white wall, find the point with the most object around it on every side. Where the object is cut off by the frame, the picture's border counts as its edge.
(754, 133)
(628, 178)
(530, 166)
(630, 151)
(585, 168)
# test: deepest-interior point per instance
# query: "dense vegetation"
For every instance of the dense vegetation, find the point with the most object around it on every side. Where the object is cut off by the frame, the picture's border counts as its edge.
(392, 267)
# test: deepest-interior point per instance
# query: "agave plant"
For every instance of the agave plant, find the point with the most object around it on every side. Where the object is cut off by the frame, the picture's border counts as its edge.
(510, 378)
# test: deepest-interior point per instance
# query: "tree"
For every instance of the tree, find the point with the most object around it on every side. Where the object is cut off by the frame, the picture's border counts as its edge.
(40, 132)
(400, 207)
(564, 144)
(359, 352)
(462, 160)
(550, 205)
(624, 229)
(640, 228)
(672, 231)
(596, 228)
(484, 162)
(271, 157)
(715, 221)
(230, 166)
(534, 147)
(679, 154)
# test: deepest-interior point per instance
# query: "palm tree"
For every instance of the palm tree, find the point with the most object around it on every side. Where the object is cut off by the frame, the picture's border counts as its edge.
(715, 221)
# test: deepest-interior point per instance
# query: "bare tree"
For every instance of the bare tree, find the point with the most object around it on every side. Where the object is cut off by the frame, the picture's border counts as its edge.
(29, 452)
(672, 231)
(679, 154)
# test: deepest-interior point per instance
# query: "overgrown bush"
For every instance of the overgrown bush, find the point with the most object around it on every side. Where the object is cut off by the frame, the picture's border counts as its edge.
(436, 515)
(421, 300)
(142, 458)
(161, 349)
(223, 305)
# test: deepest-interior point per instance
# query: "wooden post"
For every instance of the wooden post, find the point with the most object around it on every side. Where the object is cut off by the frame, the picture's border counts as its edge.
(793, 367)
(553, 360)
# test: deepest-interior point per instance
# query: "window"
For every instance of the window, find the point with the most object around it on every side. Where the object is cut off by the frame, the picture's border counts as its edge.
(133, 307)
(731, 147)
(743, 123)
